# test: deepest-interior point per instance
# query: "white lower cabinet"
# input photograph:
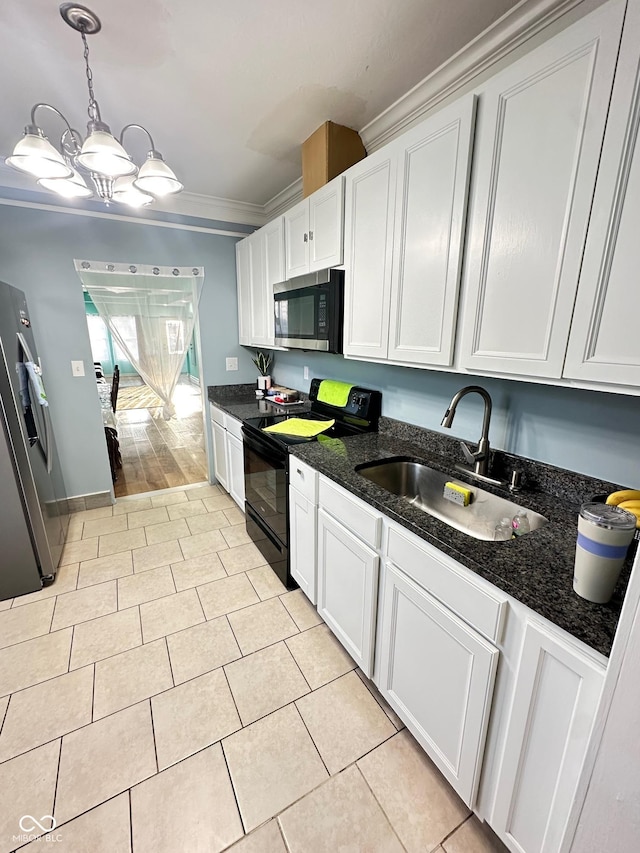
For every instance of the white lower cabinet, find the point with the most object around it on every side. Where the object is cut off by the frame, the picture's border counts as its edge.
(302, 542)
(437, 673)
(219, 445)
(228, 453)
(557, 689)
(235, 469)
(347, 588)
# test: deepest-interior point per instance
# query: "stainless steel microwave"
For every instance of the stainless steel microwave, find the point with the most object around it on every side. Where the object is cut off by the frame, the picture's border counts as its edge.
(309, 311)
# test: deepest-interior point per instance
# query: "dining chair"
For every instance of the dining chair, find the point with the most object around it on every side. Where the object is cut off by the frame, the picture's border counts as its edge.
(115, 384)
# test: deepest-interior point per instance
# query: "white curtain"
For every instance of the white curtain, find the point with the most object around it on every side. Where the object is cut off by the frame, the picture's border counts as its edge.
(150, 312)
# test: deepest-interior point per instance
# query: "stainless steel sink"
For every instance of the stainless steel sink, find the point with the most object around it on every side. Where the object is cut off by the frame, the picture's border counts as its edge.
(423, 488)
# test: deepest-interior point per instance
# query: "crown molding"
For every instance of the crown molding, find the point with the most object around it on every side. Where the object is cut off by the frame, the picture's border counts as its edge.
(211, 207)
(283, 200)
(508, 33)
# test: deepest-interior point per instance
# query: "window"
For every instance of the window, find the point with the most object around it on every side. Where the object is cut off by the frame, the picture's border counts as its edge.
(175, 337)
(99, 339)
(126, 328)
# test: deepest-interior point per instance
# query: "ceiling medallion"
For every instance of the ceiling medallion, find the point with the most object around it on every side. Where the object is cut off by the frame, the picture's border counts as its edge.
(99, 157)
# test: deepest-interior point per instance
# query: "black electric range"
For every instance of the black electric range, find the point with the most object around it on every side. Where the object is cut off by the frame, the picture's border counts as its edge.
(266, 468)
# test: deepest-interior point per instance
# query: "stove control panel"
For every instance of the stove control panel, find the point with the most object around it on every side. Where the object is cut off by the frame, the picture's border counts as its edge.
(363, 404)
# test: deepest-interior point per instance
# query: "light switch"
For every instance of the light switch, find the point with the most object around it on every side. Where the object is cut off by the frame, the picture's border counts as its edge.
(305, 372)
(77, 368)
(232, 364)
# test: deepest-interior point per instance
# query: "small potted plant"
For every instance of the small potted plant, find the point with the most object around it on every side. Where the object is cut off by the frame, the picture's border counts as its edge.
(263, 362)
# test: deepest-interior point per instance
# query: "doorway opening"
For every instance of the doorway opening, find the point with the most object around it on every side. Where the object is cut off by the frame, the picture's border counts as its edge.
(148, 450)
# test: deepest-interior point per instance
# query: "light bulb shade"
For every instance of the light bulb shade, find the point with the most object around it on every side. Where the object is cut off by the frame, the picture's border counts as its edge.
(37, 156)
(73, 187)
(103, 154)
(126, 192)
(156, 177)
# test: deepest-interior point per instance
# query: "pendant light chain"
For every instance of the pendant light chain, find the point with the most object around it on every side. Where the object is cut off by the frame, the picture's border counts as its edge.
(93, 109)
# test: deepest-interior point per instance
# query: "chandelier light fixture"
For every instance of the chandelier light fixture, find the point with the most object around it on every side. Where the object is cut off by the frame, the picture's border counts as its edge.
(98, 164)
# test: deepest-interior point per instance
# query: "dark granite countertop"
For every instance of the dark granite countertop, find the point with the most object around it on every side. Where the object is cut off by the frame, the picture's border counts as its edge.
(536, 569)
(240, 401)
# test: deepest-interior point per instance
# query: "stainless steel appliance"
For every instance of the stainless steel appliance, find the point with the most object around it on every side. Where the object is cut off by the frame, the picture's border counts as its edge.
(309, 311)
(33, 504)
(266, 467)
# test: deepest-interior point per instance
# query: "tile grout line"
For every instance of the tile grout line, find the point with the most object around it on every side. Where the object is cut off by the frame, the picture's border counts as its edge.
(93, 693)
(57, 783)
(373, 794)
(235, 796)
(166, 643)
(131, 817)
(456, 828)
(297, 710)
(153, 732)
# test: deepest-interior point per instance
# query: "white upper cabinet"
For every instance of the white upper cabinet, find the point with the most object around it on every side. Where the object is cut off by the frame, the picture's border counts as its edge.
(314, 231)
(274, 254)
(604, 345)
(243, 275)
(540, 129)
(296, 230)
(431, 204)
(326, 226)
(262, 332)
(404, 241)
(369, 210)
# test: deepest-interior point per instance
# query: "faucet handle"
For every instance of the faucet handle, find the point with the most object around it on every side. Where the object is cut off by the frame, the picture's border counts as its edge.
(468, 454)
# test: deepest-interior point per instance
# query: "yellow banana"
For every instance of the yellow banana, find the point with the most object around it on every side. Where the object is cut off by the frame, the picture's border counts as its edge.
(630, 505)
(616, 498)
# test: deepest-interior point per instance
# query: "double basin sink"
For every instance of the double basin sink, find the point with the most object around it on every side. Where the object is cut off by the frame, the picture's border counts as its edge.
(424, 487)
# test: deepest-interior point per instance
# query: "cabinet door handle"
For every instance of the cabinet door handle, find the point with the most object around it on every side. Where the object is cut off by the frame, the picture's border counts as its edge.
(306, 237)
(298, 471)
(310, 235)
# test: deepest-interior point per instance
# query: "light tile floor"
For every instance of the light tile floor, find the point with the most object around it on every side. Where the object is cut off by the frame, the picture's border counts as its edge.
(168, 694)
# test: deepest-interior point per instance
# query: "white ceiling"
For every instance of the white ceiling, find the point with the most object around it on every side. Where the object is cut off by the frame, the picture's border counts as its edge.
(228, 90)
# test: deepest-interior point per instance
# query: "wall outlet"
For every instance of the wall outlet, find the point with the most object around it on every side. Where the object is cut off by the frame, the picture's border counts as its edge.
(305, 372)
(77, 368)
(232, 364)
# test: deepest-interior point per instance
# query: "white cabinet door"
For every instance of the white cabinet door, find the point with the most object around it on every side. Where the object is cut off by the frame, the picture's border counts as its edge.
(262, 331)
(556, 695)
(326, 226)
(347, 589)
(438, 675)
(604, 345)
(541, 123)
(431, 205)
(302, 542)
(220, 454)
(235, 468)
(296, 231)
(243, 279)
(274, 254)
(369, 219)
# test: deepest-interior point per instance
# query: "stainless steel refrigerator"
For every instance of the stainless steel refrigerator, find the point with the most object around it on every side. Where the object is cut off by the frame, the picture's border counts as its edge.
(33, 503)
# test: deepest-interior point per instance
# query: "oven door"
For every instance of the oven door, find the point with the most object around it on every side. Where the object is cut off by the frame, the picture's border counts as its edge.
(265, 482)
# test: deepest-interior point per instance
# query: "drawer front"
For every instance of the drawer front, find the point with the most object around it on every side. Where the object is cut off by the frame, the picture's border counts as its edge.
(217, 414)
(350, 511)
(481, 608)
(304, 479)
(233, 426)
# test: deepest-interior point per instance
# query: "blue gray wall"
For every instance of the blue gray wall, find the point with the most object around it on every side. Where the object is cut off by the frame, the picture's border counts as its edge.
(588, 431)
(37, 248)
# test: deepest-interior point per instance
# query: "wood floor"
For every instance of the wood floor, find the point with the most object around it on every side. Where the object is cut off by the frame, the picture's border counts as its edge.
(159, 454)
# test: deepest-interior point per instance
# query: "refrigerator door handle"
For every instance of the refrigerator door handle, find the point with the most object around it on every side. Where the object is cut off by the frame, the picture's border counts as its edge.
(44, 442)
